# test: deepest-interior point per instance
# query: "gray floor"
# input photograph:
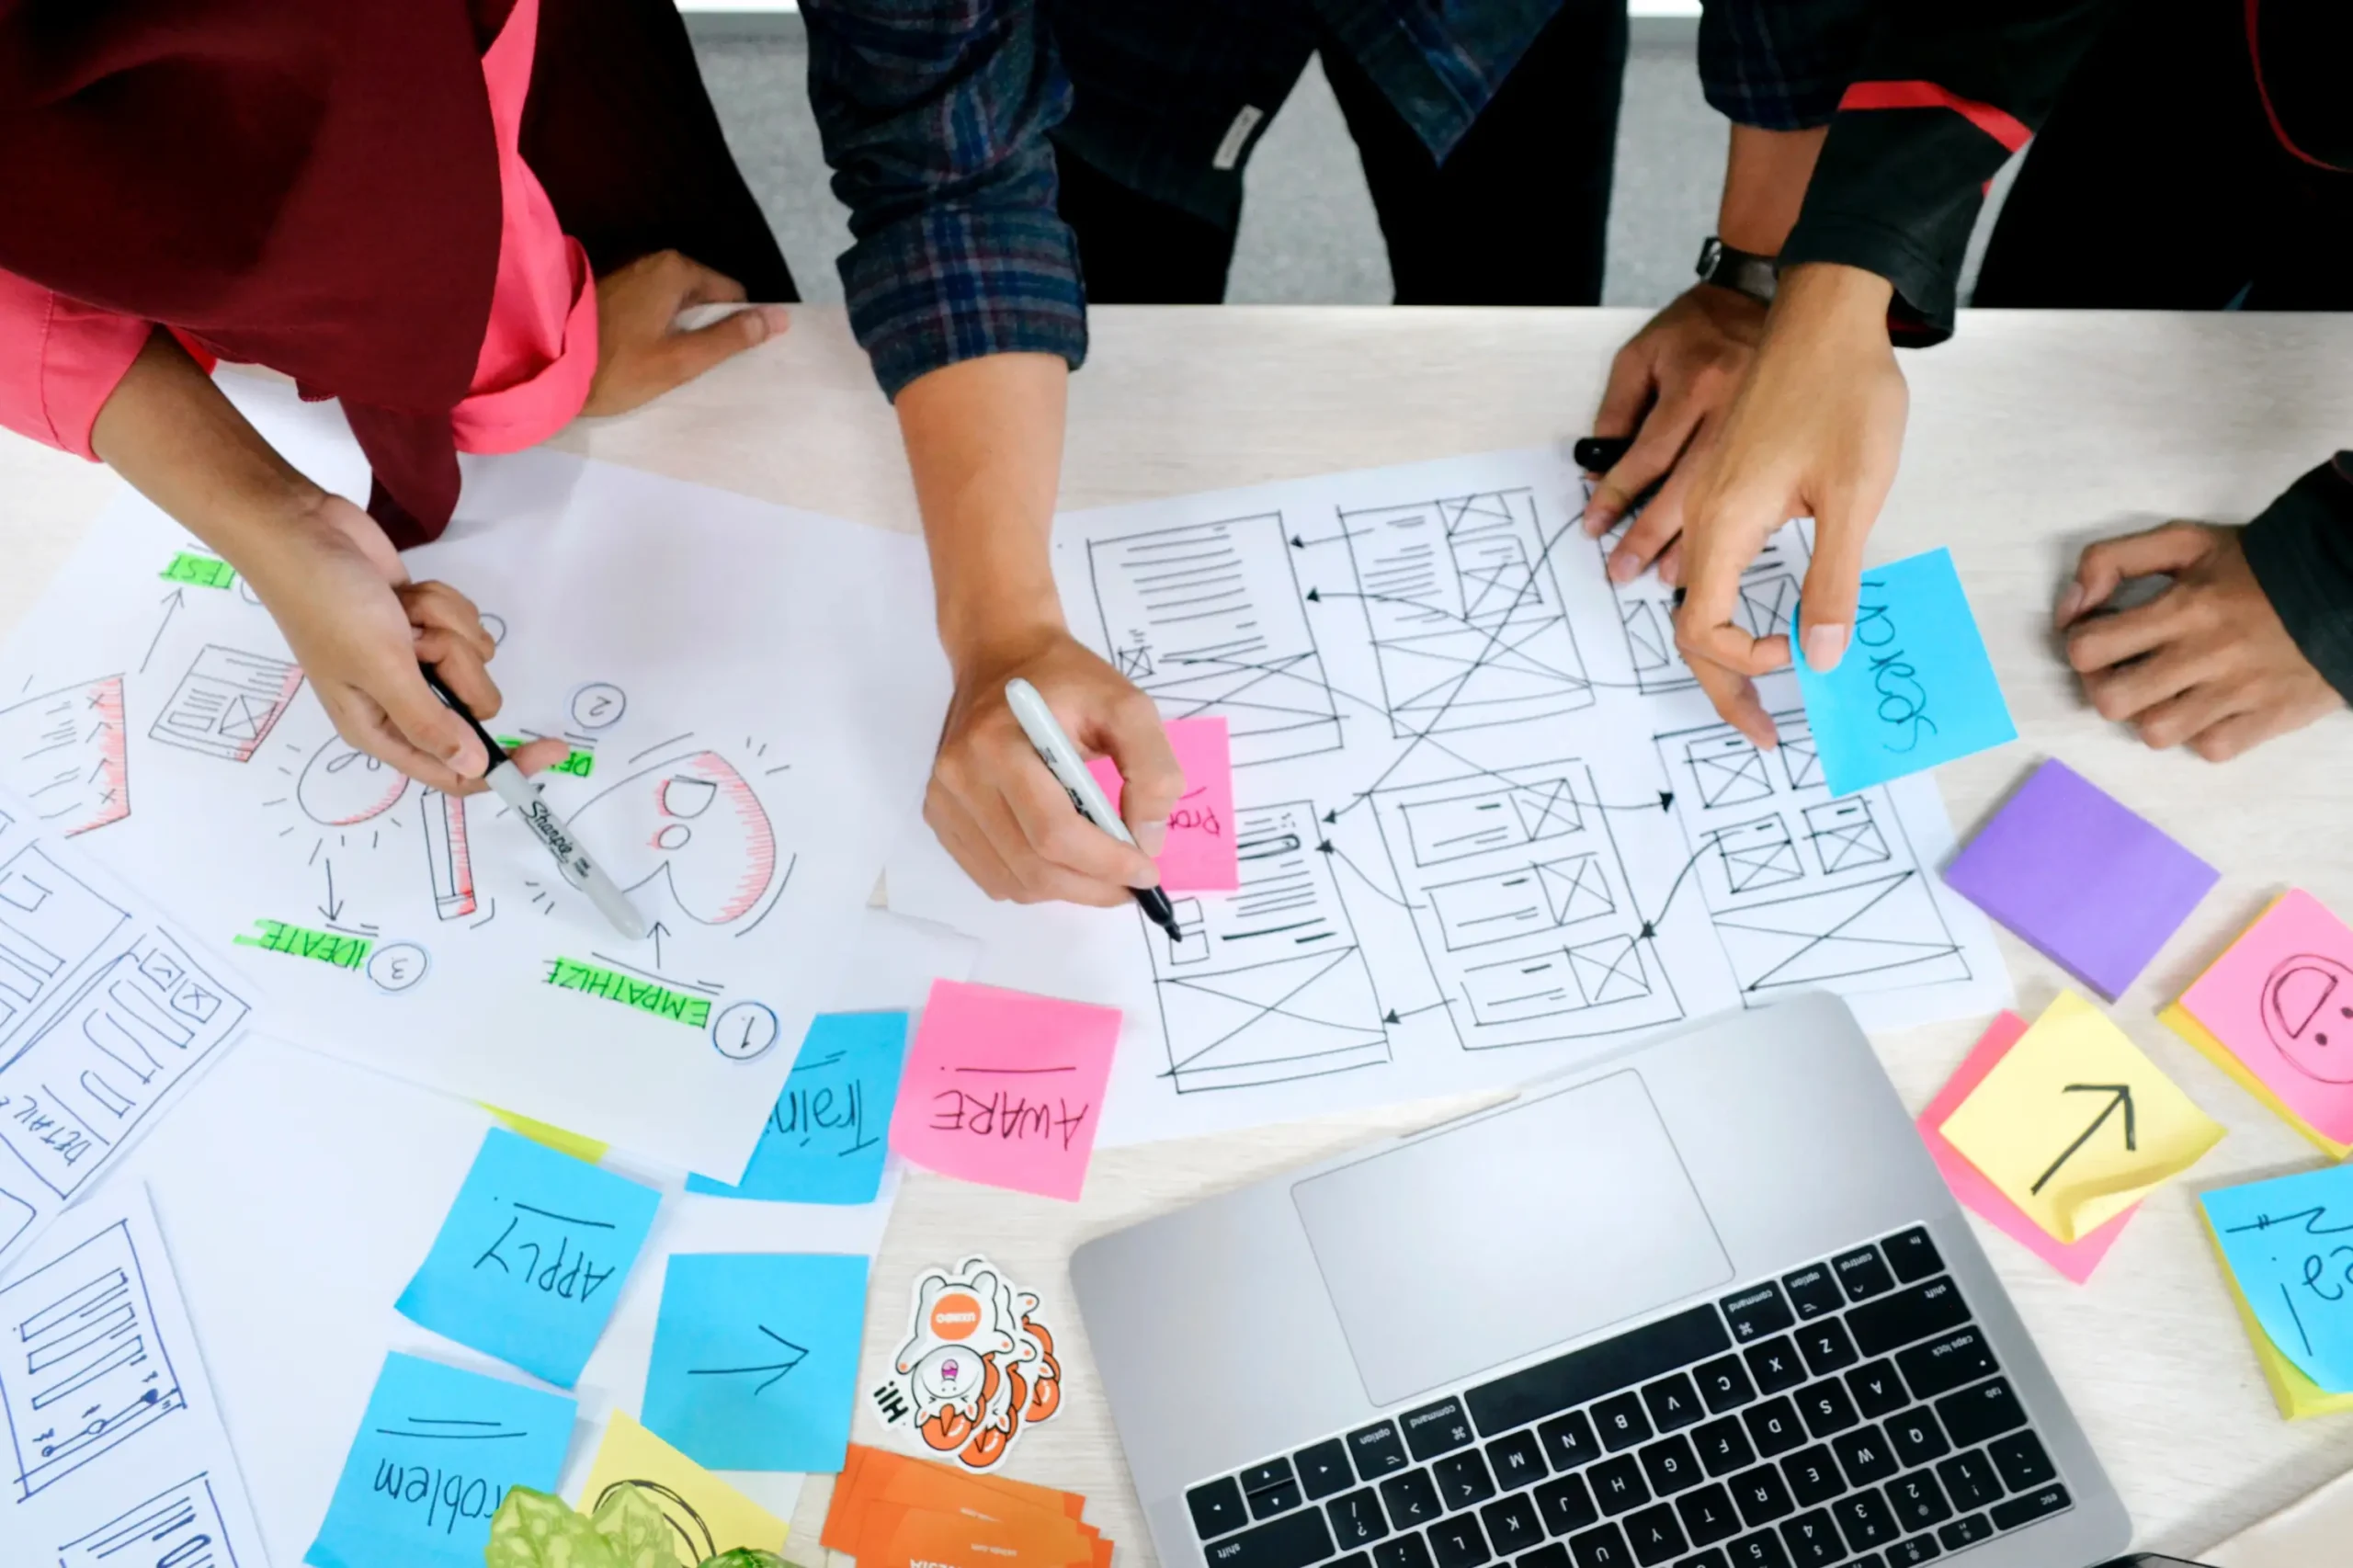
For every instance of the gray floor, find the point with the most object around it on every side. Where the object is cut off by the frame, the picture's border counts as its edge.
(1308, 232)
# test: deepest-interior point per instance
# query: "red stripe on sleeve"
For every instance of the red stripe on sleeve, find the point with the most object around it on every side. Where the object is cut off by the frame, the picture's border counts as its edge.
(2000, 124)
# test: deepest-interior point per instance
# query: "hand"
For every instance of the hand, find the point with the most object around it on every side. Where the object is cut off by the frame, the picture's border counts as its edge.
(1816, 429)
(358, 627)
(2206, 663)
(1000, 813)
(641, 353)
(1669, 388)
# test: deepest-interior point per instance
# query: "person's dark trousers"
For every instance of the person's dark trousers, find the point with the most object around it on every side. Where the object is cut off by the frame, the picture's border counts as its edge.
(1518, 214)
(2158, 183)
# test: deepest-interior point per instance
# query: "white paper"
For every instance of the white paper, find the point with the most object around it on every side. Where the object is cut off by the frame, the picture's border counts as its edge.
(116, 1457)
(107, 1012)
(759, 690)
(1451, 737)
(894, 961)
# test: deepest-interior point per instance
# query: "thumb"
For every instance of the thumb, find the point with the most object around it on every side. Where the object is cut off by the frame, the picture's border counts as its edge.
(427, 723)
(689, 354)
(1833, 584)
(1150, 780)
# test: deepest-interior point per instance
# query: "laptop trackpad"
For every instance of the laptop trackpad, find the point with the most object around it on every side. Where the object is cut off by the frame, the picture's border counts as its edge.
(1511, 1233)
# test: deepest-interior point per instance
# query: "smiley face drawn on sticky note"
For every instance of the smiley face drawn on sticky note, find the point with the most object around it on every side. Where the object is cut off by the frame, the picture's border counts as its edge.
(2308, 1011)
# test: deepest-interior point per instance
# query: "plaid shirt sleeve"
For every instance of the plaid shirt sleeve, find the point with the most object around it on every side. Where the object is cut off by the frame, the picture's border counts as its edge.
(933, 115)
(1780, 64)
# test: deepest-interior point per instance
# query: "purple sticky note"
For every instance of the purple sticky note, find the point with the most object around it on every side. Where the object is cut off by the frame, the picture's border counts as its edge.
(2094, 887)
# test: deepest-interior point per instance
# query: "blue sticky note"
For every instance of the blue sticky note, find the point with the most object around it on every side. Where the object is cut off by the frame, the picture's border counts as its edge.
(2289, 1244)
(1916, 688)
(435, 1455)
(755, 1358)
(530, 1261)
(826, 1139)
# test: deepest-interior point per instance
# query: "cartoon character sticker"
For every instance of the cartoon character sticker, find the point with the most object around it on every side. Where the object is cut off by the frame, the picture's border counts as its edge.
(977, 1365)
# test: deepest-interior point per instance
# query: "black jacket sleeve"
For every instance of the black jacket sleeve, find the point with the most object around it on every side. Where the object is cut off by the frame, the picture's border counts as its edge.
(2301, 549)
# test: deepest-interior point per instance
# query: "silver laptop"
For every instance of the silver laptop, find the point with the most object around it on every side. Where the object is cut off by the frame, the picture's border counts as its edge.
(1706, 1304)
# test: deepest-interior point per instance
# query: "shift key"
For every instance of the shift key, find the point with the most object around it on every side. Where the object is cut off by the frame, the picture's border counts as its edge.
(1913, 1312)
(1292, 1541)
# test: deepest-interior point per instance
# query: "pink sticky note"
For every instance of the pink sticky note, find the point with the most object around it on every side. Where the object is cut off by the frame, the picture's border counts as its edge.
(2281, 1000)
(1198, 857)
(2075, 1260)
(1004, 1088)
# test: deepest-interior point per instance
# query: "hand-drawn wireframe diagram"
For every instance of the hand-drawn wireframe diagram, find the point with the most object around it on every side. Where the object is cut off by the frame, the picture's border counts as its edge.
(1466, 618)
(228, 702)
(1208, 619)
(180, 1526)
(1803, 889)
(67, 752)
(1769, 594)
(1269, 983)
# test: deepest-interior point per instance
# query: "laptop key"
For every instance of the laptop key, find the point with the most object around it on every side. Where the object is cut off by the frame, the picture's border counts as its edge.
(1323, 1470)
(1566, 1503)
(1866, 1519)
(1863, 1273)
(1294, 1540)
(1411, 1499)
(1458, 1542)
(1757, 1311)
(1877, 1389)
(1813, 1476)
(1655, 1535)
(2029, 1506)
(1826, 1347)
(1435, 1429)
(1813, 1290)
(1827, 1408)
(1775, 1366)
(1630, 1360)
(1708, 1517)
(2021, 1460)
(1909, 1315)
(1723, 1447)
(1974, 1415)
(1621, 1422)
(1761, 1496)
(1258, 1477)
(1866, 1456)
(1353, 1560)
(1462, 1478)
(1919, 1503)
(1569, 1441)
(1774, 1428)
(1762, 1550)
(1917, 1437)
(1947, 1362)
(1913, 1552)
(1279, 1498)
(1512, 1526)
(1552, 1554)
(1356, 1518)
(1670, 1466)
(1706, 1560)
(1515, 1460)
(1970, 1479)
(1216, 1507)
(1913, 1255)
(1724, 1384)
(1967, 1530)
(1672, 1402)
(1617, 1485)
(1377, 1450)
(1814, 1540)
(1604, 1546)
(1404, 1552)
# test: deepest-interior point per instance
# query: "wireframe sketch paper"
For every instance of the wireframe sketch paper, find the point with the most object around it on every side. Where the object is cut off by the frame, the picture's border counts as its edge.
(115, 1453)
(1486, 824)
(750, 725)
(107, 1010)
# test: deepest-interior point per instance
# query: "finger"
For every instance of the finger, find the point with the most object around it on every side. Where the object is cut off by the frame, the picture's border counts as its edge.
(437, 604)
(2111, 640)
(686, 355)
(2187, 715)
(1833, 586)
(1036, 879)
(1735, 696)
(1656, 530)
(965, 843)
(2129, 692)
(1670, 562)
(1714, 560)
(1632, 381)
(1052, 831)
(461, 670)
(361, 721)
(706, 286)
(533, 755)
(2244, 731)
(1664, 433)
(425, 721)
(1151, 783)
(2105, 566)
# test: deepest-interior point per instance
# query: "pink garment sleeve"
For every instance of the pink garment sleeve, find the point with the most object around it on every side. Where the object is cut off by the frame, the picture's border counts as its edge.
(60, 361)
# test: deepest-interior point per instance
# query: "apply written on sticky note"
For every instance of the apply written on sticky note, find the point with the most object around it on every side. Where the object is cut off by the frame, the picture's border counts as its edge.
(1006, 1088)
(2076, 1124)
(2276, 1013)
(437, 1450)
(1199, 854)
(2288, 1244)
(708, 1515)
(827, 1134)
(755, 1358)
(529, 1263)
(1916, 688)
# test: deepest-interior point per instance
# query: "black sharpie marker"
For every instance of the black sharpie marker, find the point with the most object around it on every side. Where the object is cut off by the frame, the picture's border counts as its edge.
(1062, 759)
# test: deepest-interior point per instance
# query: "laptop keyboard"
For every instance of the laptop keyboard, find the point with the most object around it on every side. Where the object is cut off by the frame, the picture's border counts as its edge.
(1848, 1415)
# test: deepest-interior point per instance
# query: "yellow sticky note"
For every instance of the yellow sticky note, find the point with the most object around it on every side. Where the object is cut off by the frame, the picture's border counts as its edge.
(707, 1516)
(2298, 1397)
(2075, 1125)
(555, 1138)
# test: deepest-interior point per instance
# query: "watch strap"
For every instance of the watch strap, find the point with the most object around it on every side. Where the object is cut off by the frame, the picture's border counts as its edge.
(1744, 272)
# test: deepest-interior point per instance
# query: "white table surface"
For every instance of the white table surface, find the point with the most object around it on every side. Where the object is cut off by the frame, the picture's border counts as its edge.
(2031, 435)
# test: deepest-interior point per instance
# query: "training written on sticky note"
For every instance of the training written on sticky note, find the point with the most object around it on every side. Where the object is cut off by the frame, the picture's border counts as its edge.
(530, 1261)
(828, 1135)
(1916, 688)
(1199, 854)
(2288, 1245)
(1004, 1088)
(2076, 1124)
(2276, 1013)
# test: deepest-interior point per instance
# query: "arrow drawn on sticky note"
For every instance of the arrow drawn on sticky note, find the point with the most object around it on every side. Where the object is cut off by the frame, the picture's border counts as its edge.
(800, 1354)
(2122, 1095)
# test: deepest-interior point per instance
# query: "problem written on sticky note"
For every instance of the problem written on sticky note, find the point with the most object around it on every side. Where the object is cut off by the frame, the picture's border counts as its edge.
(827, 1136)
(530, 1261)
(2276, 1013)
(2288, 1245)
(1200, 856)
(1004, 1088)
(1916, 688)
(2076, 1124)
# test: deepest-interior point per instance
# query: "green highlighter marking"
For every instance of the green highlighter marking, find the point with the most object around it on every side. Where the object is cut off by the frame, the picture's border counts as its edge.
(570, 974)
(580, 764)
(201, 571)
(300, 942)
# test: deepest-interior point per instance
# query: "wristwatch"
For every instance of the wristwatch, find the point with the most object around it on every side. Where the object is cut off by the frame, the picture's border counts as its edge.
(1742, 272)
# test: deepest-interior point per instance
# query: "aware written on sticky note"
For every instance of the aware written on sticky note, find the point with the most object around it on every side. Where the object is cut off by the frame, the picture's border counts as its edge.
(2276, 1013)
(531, 1262)
(1004, 1088)
(755, 1358)
(2288, 1245)
(2089, 884)
(1199, 854)
(435, 1452)
(708, 1515)
(2075, 1123)
(1916, 688)
(828, 1133)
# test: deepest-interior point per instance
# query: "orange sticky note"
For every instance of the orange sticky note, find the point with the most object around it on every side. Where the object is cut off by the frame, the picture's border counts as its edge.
(1004, 1088)
(2276, 1013)
(1199, 854)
